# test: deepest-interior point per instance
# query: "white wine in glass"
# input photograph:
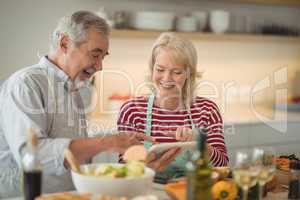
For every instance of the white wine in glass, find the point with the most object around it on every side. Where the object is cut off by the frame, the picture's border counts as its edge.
(245, 178)
(263, 158)
(265, 175)
(244, 174)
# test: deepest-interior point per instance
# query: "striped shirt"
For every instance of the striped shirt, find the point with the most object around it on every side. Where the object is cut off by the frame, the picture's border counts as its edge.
(133, 115)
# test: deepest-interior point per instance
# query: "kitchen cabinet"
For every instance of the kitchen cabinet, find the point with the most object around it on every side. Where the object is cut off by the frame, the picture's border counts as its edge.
(140, 34)
(250, 135)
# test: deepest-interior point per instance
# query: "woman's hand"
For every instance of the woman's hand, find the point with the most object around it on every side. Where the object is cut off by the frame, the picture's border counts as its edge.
(209, 150)
(123, 141)
(184, 134)
(160, 163)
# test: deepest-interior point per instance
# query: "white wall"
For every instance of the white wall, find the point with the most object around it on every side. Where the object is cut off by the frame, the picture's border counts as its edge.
(27, 24)
(238, 64)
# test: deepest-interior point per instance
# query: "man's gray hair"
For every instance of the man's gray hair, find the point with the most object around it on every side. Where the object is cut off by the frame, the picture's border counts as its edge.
(77, 26)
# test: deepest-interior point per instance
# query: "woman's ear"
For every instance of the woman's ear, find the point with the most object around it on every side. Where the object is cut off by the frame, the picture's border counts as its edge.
(64, 43)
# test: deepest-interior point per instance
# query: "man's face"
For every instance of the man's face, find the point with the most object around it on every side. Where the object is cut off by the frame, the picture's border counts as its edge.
(84, 60)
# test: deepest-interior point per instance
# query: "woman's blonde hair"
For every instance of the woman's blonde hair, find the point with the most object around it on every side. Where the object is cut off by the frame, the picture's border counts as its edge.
(182, 52)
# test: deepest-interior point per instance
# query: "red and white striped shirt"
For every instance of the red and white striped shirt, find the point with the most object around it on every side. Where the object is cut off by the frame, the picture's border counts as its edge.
(133, 115)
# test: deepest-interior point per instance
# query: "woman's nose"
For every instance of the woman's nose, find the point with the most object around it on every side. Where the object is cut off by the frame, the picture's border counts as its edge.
(167, 76)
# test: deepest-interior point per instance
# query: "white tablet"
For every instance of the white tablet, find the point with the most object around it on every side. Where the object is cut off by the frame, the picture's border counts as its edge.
(158, 148)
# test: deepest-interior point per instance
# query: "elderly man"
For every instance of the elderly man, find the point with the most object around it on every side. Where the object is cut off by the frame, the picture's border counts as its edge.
(45, 97)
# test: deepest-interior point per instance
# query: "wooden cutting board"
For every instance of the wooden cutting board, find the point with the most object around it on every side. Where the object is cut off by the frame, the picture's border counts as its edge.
(76, 196)
(176, 191)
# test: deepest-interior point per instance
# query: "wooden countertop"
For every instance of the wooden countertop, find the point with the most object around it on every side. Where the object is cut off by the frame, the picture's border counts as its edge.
(158, 191)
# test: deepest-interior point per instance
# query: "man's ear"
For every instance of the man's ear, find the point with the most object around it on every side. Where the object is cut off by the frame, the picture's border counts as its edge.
(64, 43)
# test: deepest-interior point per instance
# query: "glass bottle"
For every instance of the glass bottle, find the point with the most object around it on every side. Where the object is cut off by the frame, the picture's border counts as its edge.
(32, 170)
(294, 185)
(199, 171)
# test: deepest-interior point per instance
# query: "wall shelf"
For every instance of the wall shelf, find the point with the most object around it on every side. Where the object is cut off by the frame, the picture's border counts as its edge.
(266, 2)
(139, 34)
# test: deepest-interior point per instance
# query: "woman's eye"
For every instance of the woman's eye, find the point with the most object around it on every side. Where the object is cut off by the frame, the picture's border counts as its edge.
(177, 72)
(159, 70)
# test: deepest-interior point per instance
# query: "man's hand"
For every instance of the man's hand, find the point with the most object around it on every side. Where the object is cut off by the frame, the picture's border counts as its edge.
(123, 141)
(160, 163)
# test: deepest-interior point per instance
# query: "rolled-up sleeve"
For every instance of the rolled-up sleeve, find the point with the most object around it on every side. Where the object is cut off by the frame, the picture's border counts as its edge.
(216, 138)
(24, 108)
(52, 155)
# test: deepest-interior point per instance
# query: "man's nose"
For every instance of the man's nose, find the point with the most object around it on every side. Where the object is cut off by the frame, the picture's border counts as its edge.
(98, 65)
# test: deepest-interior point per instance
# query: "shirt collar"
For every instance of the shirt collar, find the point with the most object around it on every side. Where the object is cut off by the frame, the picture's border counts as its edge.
(44, 61)
(68, 83)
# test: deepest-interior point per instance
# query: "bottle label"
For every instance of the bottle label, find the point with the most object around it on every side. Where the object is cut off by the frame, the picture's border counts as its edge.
(32, 181)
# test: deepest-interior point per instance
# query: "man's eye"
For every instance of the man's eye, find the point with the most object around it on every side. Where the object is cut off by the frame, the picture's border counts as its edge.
(159, 70)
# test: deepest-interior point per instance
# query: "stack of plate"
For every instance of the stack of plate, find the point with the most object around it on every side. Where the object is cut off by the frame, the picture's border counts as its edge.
(151, 20)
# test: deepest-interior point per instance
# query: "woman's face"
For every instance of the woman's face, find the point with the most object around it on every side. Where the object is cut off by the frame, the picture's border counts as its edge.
(168, 77)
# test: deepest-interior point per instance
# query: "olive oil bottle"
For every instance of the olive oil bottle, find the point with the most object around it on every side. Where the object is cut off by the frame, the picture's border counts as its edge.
(199, 171)
(32, 170)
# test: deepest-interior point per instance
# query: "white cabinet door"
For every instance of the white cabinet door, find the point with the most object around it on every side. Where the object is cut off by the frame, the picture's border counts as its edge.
(236, 137)
(247, 136)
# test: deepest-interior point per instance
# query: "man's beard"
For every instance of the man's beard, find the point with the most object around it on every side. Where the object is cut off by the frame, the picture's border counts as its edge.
(78, 83)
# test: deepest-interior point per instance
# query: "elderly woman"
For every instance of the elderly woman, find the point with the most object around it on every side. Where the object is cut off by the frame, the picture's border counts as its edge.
(171, 112)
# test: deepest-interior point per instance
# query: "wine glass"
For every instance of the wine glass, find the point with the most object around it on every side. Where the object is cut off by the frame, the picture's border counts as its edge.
(244, 173)
(263, 159)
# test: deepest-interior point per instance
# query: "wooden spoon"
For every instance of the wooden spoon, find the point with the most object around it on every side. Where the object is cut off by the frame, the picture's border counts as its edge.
(73, 162)
(32, 138)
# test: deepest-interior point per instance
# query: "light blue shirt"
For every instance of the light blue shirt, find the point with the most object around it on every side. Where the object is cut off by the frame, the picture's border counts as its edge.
(41, 97)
